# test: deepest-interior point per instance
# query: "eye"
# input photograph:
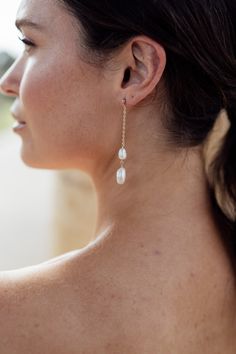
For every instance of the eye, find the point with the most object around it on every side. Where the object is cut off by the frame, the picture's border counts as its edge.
(28, 44)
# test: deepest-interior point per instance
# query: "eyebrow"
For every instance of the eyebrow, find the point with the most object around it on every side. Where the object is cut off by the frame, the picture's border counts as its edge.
(24, 22)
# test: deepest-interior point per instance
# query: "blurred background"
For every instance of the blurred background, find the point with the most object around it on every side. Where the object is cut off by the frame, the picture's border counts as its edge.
(42, 213)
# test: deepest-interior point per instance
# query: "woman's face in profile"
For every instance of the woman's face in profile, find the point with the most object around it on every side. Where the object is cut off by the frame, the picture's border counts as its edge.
(63, 100)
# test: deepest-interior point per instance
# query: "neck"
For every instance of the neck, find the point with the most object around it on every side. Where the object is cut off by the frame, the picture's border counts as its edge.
(166, 196)
(162, 208)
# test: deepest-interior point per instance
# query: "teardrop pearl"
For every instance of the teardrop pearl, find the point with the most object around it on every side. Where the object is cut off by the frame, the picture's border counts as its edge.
(122, 154)
(121, 175)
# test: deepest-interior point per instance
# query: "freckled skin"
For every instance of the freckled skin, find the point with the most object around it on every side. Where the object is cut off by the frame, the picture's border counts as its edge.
(150, 282)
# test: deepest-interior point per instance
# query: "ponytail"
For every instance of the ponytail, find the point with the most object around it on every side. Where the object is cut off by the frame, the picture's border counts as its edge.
(222, 170)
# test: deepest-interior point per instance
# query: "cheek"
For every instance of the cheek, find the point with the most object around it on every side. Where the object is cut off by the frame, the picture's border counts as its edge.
(64, 113)
(41, 87)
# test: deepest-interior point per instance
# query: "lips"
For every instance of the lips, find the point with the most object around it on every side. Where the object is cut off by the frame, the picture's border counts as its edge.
(19, 124)
(16, 117)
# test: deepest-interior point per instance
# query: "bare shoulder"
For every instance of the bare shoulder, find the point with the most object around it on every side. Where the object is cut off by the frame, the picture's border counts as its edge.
(55, 306)
(37, 309)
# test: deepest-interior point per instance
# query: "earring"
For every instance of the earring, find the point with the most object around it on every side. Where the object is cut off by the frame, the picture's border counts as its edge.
(122, 154)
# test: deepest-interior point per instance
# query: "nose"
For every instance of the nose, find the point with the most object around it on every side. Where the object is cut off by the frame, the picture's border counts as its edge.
(9, 82)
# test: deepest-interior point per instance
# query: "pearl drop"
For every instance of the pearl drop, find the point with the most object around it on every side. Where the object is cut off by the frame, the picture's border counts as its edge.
(121, 175)
(122, 154)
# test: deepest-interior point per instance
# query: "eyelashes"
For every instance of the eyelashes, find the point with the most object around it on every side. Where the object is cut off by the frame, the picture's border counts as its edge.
(26, 42)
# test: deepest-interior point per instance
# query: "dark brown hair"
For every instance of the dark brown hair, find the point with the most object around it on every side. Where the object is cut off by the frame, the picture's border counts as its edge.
(199, 37)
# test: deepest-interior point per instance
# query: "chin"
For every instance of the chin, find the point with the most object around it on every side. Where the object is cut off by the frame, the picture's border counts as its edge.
(33, 161)
(30, 160)
(44, 160)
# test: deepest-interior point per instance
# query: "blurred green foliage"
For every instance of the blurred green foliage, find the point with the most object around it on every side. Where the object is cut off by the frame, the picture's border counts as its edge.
(6, 119)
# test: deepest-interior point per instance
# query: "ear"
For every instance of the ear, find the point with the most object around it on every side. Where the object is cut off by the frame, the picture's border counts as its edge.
(142, 61)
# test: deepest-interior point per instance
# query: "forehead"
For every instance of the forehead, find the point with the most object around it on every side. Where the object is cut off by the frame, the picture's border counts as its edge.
(46, 13)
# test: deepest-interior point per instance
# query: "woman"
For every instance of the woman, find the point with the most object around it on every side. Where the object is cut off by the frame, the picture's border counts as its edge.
(147, 80)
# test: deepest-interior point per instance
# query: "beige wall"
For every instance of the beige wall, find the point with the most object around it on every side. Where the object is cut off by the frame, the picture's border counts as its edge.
(75, 211)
